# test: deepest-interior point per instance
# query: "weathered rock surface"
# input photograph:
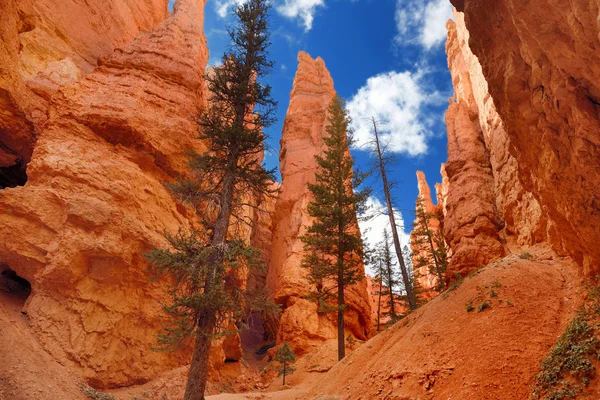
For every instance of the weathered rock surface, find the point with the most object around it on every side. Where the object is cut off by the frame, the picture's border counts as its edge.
(94, 200)
(471, 223)
(542, 66)
(45, 44)
(304, 128)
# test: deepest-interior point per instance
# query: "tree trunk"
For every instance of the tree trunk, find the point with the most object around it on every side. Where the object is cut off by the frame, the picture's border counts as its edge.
(196, 383)
(341, 337)
(435, 260)
(207, 323)
(392, 310)
(379, 300)
(284, 365)
(388, 200)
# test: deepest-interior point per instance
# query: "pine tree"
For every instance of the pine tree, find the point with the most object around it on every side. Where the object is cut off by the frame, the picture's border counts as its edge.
(204, 264)
(332, 244)
(382, 167)
(285, 356)
(378, 282)
(389, 275)
(413, 277)
(423, 239)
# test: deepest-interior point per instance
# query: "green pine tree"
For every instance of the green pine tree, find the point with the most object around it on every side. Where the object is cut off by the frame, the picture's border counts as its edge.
(416, 286)
(285, 356)
(204, 264)
(332, 244)
(390, 278)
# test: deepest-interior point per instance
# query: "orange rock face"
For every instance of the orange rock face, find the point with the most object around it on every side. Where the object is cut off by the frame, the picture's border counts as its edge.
(304, 127)
(46, 44)
(471, 222)
(95, 199)
(541, 63)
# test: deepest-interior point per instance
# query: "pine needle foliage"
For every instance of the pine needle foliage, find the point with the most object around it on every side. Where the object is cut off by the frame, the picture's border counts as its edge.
(204, 265)
(285, 356)
(332, 244)
(390, 276)
(432, 249)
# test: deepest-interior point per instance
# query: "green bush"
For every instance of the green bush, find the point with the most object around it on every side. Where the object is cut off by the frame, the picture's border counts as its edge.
(526, 256)
(469, 306)
(483, 306)
(569, 366)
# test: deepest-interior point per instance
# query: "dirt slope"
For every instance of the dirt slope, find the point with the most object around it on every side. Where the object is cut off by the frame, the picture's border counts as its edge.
(26, 370)
(445, 352)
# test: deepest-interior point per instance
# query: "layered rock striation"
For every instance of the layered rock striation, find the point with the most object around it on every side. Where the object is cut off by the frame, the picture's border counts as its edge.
(94, 200)
(539, 62)
(46, 44)
(302, 138)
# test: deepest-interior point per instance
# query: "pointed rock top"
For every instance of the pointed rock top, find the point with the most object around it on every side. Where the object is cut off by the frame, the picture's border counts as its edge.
(312, 77)
(425, 191)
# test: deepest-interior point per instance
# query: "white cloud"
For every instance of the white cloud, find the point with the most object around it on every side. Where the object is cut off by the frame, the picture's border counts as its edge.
(396, 100)
(302, 9)
(422, 21)
(224, 7)
(372, 229)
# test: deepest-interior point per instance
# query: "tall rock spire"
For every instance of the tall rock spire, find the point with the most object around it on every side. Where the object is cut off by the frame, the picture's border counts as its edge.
(302, 139)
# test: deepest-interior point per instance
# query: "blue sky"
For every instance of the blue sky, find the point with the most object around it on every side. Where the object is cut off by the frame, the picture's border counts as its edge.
(387, 60)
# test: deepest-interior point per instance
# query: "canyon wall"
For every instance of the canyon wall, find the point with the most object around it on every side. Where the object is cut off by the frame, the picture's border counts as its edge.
(111, 122)
(523, 131)
(302, 139)
(531, 69)
(46, 44)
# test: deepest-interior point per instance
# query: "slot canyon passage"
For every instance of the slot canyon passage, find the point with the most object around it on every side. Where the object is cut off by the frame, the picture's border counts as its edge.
(97, 106)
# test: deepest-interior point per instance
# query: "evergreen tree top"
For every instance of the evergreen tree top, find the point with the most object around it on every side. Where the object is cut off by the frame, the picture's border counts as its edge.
(285, 354)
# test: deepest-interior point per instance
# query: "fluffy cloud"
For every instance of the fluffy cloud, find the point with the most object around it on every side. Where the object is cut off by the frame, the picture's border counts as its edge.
(223, 7)
(304, 10)
(396, 100)
(372, 229)
(422, 21)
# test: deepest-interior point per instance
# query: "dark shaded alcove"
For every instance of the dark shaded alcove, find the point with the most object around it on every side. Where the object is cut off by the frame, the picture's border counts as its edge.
(13, 285)
(13, 176)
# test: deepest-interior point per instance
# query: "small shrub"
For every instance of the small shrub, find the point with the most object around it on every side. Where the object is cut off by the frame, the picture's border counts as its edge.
(351, 341)
(483, 306)
(94, 394)
(493, 293)
(469, 306)
(474, 272)
(569, 366)
(496, 284)
(457, 282)
(510, 303)
(526, 256)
